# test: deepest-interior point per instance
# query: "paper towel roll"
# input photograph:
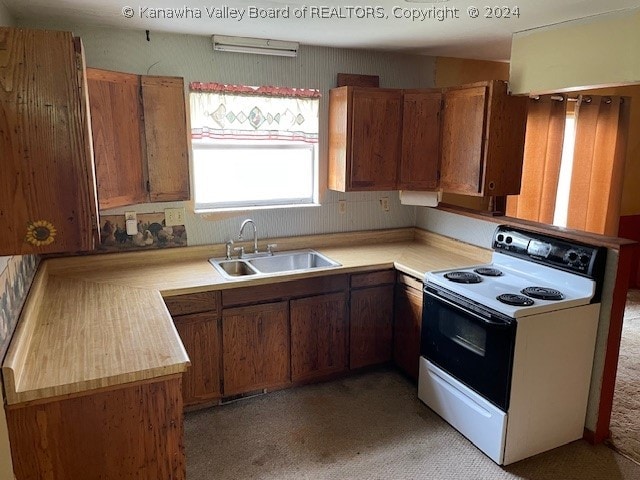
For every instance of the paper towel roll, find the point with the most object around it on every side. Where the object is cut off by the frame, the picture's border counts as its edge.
(423, 199)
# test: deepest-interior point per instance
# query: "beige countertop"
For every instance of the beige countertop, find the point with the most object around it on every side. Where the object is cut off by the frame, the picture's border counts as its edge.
(97, 321)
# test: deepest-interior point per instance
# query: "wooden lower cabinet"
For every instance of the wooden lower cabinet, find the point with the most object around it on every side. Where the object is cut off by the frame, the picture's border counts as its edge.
(319, 341)
(130, 432)
(371, 326)
(202, 339)
(407, 325)
(256, 348)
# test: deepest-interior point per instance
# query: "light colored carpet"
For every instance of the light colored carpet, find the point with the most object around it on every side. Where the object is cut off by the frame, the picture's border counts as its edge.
(369, 426)
(625, 417)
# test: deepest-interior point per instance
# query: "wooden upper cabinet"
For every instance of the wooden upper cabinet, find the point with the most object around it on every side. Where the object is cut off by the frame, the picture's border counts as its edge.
(420, 140)
(463, 139)
(482, 140)
(47, 185)
(364, 138)
(140, 138)
(165, 126)
(116, 113)
(383, 139)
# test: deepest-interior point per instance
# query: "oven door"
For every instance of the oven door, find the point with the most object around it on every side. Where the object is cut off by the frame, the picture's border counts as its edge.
(470, 342)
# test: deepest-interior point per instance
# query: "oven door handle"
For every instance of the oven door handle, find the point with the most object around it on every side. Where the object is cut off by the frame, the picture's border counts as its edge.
(488, 321)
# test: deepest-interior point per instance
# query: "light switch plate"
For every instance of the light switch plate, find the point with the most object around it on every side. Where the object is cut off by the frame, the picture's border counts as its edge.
(342, 206)
(173, 216)
(384, 203)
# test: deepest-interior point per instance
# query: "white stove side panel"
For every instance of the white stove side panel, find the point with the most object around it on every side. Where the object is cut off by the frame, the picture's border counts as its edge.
(552, 366)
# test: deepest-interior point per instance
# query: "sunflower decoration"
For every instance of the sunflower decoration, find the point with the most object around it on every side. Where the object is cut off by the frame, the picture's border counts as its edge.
(40, 233)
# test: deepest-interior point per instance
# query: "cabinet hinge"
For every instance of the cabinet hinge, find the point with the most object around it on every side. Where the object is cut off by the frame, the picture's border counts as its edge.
(78, 62)
(438, 175)
(141, 100)
(148, 186)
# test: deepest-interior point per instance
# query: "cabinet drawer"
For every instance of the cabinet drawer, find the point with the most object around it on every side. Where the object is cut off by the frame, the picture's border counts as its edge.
(284, 290)
(410, 281)
(193, 303)
(368, 279)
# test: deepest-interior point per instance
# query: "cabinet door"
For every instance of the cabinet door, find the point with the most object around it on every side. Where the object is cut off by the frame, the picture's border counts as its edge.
(506, 126)
(116, 113)
(47, 195)
(376, 125)
(318, 336)
(463, 135)
(200, 334)
(256, 349)
(420, 141)
(167, 141)
(407, 327)
(125, 431)
(371, 326)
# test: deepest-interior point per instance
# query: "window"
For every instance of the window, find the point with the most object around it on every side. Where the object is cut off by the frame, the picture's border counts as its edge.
(566, 170)
(254, 147)
(573, 169)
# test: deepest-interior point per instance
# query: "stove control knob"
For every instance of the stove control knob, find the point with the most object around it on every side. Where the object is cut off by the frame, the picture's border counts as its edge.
(500, 238)
(571, 256)
(584, 259)
(509, 240)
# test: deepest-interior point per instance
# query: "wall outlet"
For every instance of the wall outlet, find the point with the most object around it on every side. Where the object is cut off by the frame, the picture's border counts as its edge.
(384, 203)
(173, 216)
(131, 222)
(342, 206)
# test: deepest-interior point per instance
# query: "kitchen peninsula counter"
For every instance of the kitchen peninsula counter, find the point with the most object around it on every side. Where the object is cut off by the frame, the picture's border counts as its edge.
(99, 321)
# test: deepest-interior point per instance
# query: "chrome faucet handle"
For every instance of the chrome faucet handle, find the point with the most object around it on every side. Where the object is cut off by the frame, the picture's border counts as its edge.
(240, 250)
(228, 248)
(270, 247)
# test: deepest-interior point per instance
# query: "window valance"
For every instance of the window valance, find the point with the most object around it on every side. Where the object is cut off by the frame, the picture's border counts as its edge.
(264, 91)
(238, 112)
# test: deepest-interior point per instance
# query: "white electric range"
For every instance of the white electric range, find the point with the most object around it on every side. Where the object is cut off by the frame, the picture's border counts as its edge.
(507, 348)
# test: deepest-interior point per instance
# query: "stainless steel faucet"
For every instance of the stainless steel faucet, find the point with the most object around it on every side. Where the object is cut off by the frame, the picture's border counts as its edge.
(255, 233)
